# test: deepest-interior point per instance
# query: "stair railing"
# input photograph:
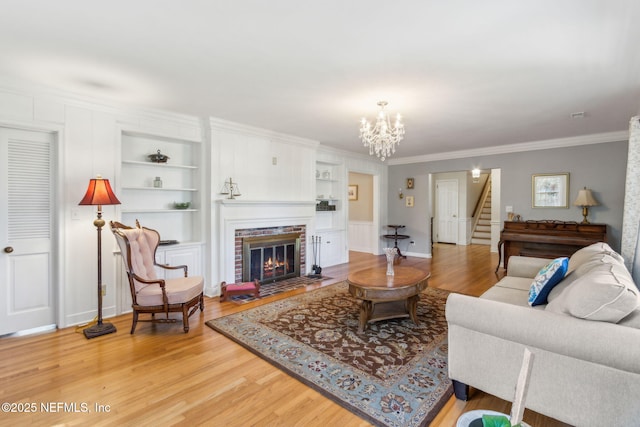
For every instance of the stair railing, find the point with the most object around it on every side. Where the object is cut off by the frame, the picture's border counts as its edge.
(480, 204)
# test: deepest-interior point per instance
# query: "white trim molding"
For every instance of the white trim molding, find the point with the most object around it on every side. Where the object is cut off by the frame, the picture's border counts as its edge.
(598, 138)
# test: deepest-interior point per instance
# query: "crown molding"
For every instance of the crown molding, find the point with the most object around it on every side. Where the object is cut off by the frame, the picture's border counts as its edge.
(597, 138)
(122, 111)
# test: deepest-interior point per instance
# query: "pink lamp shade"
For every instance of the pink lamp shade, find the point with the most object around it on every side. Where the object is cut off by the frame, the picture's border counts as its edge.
(99, 192)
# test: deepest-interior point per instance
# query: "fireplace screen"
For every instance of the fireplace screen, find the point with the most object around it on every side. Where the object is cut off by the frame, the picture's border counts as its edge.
(271, 258)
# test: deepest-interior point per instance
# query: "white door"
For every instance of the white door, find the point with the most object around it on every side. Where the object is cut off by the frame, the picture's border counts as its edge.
(27, 298)
(447, 210)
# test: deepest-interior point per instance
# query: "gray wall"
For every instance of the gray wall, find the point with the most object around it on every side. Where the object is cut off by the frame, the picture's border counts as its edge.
(600, 167)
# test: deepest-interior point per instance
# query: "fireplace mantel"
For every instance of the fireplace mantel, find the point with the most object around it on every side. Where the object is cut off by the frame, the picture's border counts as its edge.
(274, 203)
(237, 214)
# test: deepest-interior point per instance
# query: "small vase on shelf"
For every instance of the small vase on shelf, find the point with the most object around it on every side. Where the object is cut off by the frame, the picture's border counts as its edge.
(391, 256)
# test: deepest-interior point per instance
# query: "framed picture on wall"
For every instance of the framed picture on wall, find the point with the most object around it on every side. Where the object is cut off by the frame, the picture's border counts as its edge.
(409, 201)
(353, 192)
(550, 190)
(409, 183)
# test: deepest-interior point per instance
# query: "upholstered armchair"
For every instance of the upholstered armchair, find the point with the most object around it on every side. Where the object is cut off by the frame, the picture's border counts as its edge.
(149, 293)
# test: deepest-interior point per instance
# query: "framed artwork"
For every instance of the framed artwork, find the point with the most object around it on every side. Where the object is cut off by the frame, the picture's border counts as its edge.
(409, 183)
(409, 201)
(550, 190)
(353, 192)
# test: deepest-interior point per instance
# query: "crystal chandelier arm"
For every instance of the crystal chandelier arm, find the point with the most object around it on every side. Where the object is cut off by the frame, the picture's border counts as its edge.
(383, 138)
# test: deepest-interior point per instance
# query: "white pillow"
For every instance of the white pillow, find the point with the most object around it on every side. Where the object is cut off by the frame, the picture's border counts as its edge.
(606, 293)
(582, 255)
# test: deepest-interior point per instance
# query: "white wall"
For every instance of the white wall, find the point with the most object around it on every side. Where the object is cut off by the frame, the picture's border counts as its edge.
(88, 134)
(275, 172)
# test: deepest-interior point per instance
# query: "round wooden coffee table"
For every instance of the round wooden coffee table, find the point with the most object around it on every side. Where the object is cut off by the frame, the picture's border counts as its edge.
(387, 297)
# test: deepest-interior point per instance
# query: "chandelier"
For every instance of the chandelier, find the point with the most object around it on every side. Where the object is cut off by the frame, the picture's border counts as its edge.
(382, 139)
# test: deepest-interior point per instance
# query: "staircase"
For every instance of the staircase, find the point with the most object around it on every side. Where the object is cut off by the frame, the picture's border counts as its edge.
(481, 233)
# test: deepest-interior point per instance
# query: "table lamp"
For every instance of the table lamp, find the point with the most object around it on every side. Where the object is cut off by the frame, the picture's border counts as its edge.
(585, 199)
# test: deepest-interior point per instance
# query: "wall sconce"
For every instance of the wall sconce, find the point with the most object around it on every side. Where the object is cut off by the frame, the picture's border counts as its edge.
(400, 193)
(585, 199)
(230, 188)
(475, 174)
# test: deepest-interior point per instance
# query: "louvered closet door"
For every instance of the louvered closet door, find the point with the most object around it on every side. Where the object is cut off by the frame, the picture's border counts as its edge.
(27, 298)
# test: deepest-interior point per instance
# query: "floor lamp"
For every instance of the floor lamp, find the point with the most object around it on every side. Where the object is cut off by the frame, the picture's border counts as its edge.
(99, 193)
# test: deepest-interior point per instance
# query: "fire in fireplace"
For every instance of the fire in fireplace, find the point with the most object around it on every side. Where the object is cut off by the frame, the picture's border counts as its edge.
(271, 258)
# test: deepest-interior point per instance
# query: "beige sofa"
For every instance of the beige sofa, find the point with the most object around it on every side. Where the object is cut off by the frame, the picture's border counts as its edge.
(586, 340)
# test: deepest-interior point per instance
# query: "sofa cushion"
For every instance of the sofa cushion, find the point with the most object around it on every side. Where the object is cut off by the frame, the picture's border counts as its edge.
(546, 279)
(632, 320)
(584, 254)
(606, 293)
(510, 295)
(594, 259)
(512, 282)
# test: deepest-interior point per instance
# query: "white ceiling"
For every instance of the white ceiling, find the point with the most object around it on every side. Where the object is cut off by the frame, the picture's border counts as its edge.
(464, 74)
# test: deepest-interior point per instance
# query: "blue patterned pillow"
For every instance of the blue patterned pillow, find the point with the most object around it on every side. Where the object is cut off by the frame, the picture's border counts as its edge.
(550, 275)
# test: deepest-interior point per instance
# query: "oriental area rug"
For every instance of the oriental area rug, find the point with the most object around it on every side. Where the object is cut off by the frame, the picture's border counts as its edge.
(392, 374)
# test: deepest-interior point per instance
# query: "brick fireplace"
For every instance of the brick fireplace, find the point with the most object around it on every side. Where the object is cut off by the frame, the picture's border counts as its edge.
(269, 253)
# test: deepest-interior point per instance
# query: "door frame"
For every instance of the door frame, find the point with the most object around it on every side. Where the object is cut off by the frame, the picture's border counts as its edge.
(58, 223)
(375, 244)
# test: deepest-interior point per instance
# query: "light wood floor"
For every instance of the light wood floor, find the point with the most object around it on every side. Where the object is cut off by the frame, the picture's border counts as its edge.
(161, 376)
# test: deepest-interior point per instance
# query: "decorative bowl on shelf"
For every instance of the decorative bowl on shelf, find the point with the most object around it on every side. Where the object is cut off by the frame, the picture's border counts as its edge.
(182, 205)
(158, 157)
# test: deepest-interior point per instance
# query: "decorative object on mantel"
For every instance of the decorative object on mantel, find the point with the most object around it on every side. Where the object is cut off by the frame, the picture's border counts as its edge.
(585, 199)
(158, 157)
(99, 193)
(382, 139)
(157, 183)
(230, 188)
(181, 205)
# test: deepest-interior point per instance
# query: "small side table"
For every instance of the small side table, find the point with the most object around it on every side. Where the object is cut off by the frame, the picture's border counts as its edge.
(395, 236)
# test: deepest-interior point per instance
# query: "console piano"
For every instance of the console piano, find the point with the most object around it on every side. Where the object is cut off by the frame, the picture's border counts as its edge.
(547, 238)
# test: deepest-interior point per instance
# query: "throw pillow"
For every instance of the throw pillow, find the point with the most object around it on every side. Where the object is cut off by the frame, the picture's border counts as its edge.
(546, 279)
(585, 254)
(606, 294)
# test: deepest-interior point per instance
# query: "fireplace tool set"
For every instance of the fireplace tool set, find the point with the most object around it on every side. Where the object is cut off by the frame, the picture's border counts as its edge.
(317, 270)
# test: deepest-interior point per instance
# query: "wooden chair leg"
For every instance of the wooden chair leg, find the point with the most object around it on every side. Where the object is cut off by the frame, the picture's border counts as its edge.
(185, 318)
(135, 321)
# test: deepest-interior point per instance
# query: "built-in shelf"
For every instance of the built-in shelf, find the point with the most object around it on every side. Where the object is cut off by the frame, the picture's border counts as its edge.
(125, 211)
(159, 189)
(158, 165)
(180, 178)
(331, 189)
